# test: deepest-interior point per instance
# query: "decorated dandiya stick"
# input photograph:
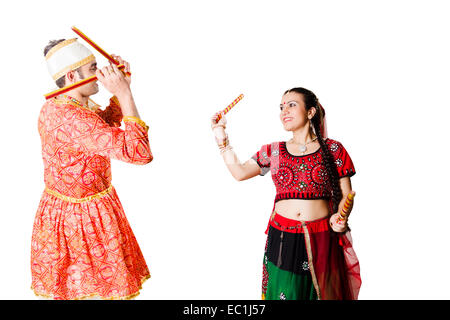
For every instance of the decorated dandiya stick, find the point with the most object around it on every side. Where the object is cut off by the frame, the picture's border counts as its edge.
(75, 85)
(96, 47)
(90, 79)
(228, 108)
(347, 205)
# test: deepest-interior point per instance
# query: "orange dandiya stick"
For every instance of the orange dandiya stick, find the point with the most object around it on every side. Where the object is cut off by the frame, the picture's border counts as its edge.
(90, 79)
(347, 205)
(231, 105)
(75, 85)
(96, 47)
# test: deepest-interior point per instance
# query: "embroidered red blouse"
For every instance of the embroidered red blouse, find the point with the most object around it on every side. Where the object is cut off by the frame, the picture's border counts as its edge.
(302, 177)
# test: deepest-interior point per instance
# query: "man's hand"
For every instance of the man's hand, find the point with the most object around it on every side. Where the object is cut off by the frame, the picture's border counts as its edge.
(125, 63)
(114, 81)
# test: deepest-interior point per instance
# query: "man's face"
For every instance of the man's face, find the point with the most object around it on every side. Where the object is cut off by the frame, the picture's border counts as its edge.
(84, 72)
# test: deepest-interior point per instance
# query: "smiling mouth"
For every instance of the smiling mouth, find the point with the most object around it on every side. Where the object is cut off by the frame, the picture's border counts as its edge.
(287, 119)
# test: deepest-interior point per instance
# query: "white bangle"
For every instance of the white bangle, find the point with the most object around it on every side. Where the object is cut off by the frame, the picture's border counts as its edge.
(225, 149)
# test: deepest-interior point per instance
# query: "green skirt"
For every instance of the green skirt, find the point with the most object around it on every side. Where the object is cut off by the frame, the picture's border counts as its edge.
(304, 260)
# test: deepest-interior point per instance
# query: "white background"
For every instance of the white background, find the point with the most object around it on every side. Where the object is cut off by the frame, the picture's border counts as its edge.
(380, 68)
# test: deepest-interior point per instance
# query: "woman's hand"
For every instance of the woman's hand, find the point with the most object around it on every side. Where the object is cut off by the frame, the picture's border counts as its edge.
(338, 225)
(221, 123)
(338, 222)
(218, 127)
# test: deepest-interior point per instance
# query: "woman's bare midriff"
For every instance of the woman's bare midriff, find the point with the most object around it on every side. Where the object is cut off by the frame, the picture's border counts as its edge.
(302, 210)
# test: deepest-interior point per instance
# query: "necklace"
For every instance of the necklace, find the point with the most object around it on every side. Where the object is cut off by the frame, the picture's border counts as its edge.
(303, 147)
(78, 103)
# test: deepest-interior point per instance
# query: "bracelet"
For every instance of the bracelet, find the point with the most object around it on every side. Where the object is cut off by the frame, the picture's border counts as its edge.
(223, 143)
(217, 125)
(225, 149)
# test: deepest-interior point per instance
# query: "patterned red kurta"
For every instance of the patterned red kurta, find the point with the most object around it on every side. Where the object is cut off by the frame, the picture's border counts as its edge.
(82, 244)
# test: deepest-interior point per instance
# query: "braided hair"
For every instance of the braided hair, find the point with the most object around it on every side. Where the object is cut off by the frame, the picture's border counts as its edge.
(311, 101)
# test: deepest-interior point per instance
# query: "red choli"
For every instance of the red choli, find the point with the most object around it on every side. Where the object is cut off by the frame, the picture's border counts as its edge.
(302, 177)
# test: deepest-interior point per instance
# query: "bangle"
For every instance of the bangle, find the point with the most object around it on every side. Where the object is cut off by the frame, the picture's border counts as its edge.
(223, 143)
(225, 149)
(217, 125)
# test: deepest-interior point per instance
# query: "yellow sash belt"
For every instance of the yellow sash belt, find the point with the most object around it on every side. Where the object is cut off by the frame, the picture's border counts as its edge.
(78, 200)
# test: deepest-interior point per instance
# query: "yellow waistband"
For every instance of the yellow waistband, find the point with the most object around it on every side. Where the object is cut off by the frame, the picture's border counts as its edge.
(78, 200)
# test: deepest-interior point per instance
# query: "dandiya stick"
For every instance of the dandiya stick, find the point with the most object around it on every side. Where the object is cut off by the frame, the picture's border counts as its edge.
(231, 105)
(90, 79)
(75, 85)
(347, 205)
(96, 47)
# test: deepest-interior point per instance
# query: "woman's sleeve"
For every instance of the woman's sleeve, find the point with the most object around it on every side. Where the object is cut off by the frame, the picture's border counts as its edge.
(344, 163)
(262, 158)
(112, 114)
(93, 135)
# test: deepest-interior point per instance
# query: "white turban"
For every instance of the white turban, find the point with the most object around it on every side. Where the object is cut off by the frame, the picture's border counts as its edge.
(66, 56)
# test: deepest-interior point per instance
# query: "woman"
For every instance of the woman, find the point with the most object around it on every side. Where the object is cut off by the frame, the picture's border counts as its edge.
(308, 251)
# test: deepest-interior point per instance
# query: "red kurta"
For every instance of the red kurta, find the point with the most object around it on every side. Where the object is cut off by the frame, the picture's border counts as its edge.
(82, 244)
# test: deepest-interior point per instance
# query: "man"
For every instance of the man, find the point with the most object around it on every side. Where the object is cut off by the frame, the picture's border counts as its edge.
(82, 245)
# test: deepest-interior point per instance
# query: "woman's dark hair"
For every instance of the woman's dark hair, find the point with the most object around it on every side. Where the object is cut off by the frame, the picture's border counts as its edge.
(311, 101)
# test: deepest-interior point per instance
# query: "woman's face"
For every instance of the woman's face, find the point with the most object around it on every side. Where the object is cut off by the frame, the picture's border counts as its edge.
(293, 114)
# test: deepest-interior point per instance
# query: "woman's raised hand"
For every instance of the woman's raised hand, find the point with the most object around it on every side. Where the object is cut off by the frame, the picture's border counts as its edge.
(218, 123)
